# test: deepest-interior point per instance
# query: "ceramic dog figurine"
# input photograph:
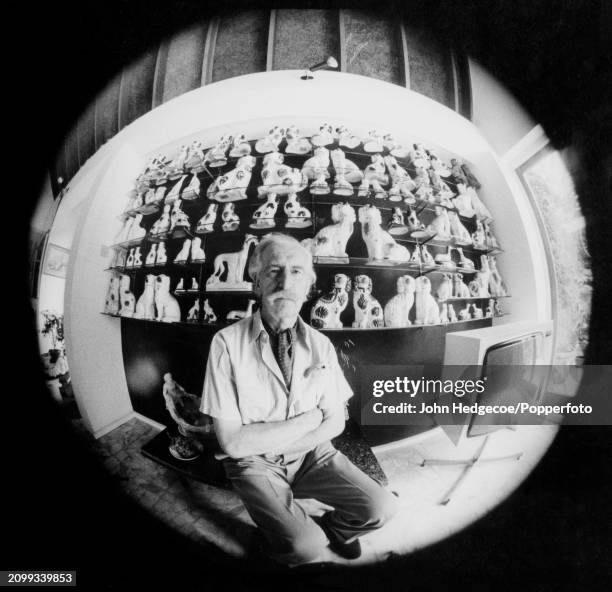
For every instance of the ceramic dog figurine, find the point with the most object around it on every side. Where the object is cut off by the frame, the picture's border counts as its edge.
(440, 226)
(162, 224)
(497, 287)
(445, 288)
(178, 218)
(278, 178)
(315, 169)
(325, 314)
(394, 147)
(136, 232)
(192, 191)
(396, 225)
(215, 157)
(460, 290)
(111, 305)
(209, 315)
(331, 240)
(177, 166)
(459, 233)
(427, 311)
(464, 313)
(464, 261)
(479, 237)
(476, 311)
(445, 260)
(124, 232)
(426, 257)
(374, 142)
(347, 172)
(137, 257)
(263, 216)
(422, 188)
(452, 315)
(167, 307)
(151, 255)
(374, 177)
(161, 257)
(230, 219)
(183, 254)
(379, 242)
(194, 312)
(296, 143)
(232, 186)
(297, 215)
(346, 138)
(145, 307)
(397, 310)
(490, 240)
(236, 315)
(240, 146)
(418, 156)
(175, 192)
(441, 190)
(235, 263)
(324, 136)
(271, 142)
(368, 311)
(207, 221)
(402, 184)
(197, 252)
(130, 259)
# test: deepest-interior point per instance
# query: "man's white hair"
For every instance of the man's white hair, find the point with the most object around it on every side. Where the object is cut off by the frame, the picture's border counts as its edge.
(276, 238)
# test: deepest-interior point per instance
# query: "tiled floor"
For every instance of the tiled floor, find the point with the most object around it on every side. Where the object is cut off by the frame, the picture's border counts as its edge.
(214, 516)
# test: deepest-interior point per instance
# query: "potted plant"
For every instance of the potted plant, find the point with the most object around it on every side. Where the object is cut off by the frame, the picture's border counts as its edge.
(53, 327)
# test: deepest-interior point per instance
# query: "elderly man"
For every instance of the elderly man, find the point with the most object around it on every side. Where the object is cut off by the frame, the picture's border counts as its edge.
(277, 394)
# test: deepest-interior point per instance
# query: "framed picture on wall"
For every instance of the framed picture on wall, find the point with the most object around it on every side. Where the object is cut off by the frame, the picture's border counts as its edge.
(56, 261)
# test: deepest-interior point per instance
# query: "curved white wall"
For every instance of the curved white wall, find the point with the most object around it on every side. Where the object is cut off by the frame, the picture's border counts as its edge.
(252, 104)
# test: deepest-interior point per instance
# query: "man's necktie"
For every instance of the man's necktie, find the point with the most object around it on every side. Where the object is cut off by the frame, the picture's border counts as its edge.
(285, 361)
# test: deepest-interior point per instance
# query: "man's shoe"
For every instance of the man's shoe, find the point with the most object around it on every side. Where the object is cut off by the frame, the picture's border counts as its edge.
(350, 550)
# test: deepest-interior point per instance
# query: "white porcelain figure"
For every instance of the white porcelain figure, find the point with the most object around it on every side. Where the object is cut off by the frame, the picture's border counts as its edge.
(324, 136)
(151, 255)
(440, 226)
(380, 244)
(460, 290)
(124, 232)
(279, 178)
(162, 224)
(463, 202)
(263, 216)
(209, 315)
(331, 240)
(490, 240)
(192, 191)
(452, 315)
(347, 172)
(178, 218)
(445, 259)
(374, 177)
(439, 166)
(459, 233)
(401, 182)
(416, 255)
(207, 221)
(464, 313)
(149, 196)
(180, 287)
(175, 192)
(374, 142)
(240, 146)
(395, 148)
(368, 311)
(419, 157)
(476, 311)
(194, 311)
(271, 141)
(232, 186)
(195, 160)
(397, 310)
(120, 256)
(177, 166)
(497, 309)
(427, 311)
(464, 262)
(416, 228)
(216, 156)
(145, 307)
(230, 219)
(296, 143)
(325, 314)
(161, 257)
(183, 254)
(166, 305)
(297, 215)
(130, 259)
(444, 313)
(236, 315)
(489, 310)
(445, 288)
(137, 232)
(346, 138)
(479, 237)
(197, 252)
(426, 257)
(127, 300)
(497, 287)
(479, 286)
(235, 263)
(440, 189)
(137, 257)
(482, 213)
(195, 287)
(422, 188)
(396, 225)
(316, 170)
(111, 304)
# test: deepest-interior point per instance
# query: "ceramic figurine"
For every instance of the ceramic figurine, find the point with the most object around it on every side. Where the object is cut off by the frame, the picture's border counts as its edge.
(209, 315)
(240, 147)
(149, 196)
(232, 186)
(177, 166)
(178, 218)
(279, 178)
(195, 287)
(368, 311)
(207, 221)
(464, 262)
(460, 290)
(347, 172)
(482, 213)
(479, 237)
(124, 232)
(416, 255)
(235, 263)
(130, 259)
(489, 310)
(497, 287)
(440, 226)
(145, 307)
(296, 143)
(457, 175)
(373, 175)
(379, 242)
(120, 258)
(315, 169)
(192, 191)
(263, 216)
(166, 305)
(161, 258)
(440, 167)
(175, 192)
(183, 254)
(195, 160)
(127, 300)
(427, 311)
(162, 224)
(445, 288)
(216, 156)
(297, 215)
(271, 142)
(471, 179)
(497, 309)
(459, 233)
(479, 286)
(418, 156)
(331, 240)
(476, 311)
(325, 314)
(111, 305)
(397, 310)
(137, 257)
(324, 136)
(179, 287)
(490, 240)
(396, 225)
(426, 256)
(230, 219)
(445, 260)
(346, 138)
(452, 315)
(401, 182)
(197, 252)
(374, 142)
(160, 192)
(137, 232)
(236, 315)
(395, 148)
(444, 313)
(440, 189)
(158, 173)
(151, 255)
(464, 313)
(463, 202)
(415, 226)
(194, 312)
(422, 188)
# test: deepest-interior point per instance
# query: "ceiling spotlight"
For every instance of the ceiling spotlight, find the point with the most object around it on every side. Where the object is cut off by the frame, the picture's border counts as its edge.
(330, 62)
